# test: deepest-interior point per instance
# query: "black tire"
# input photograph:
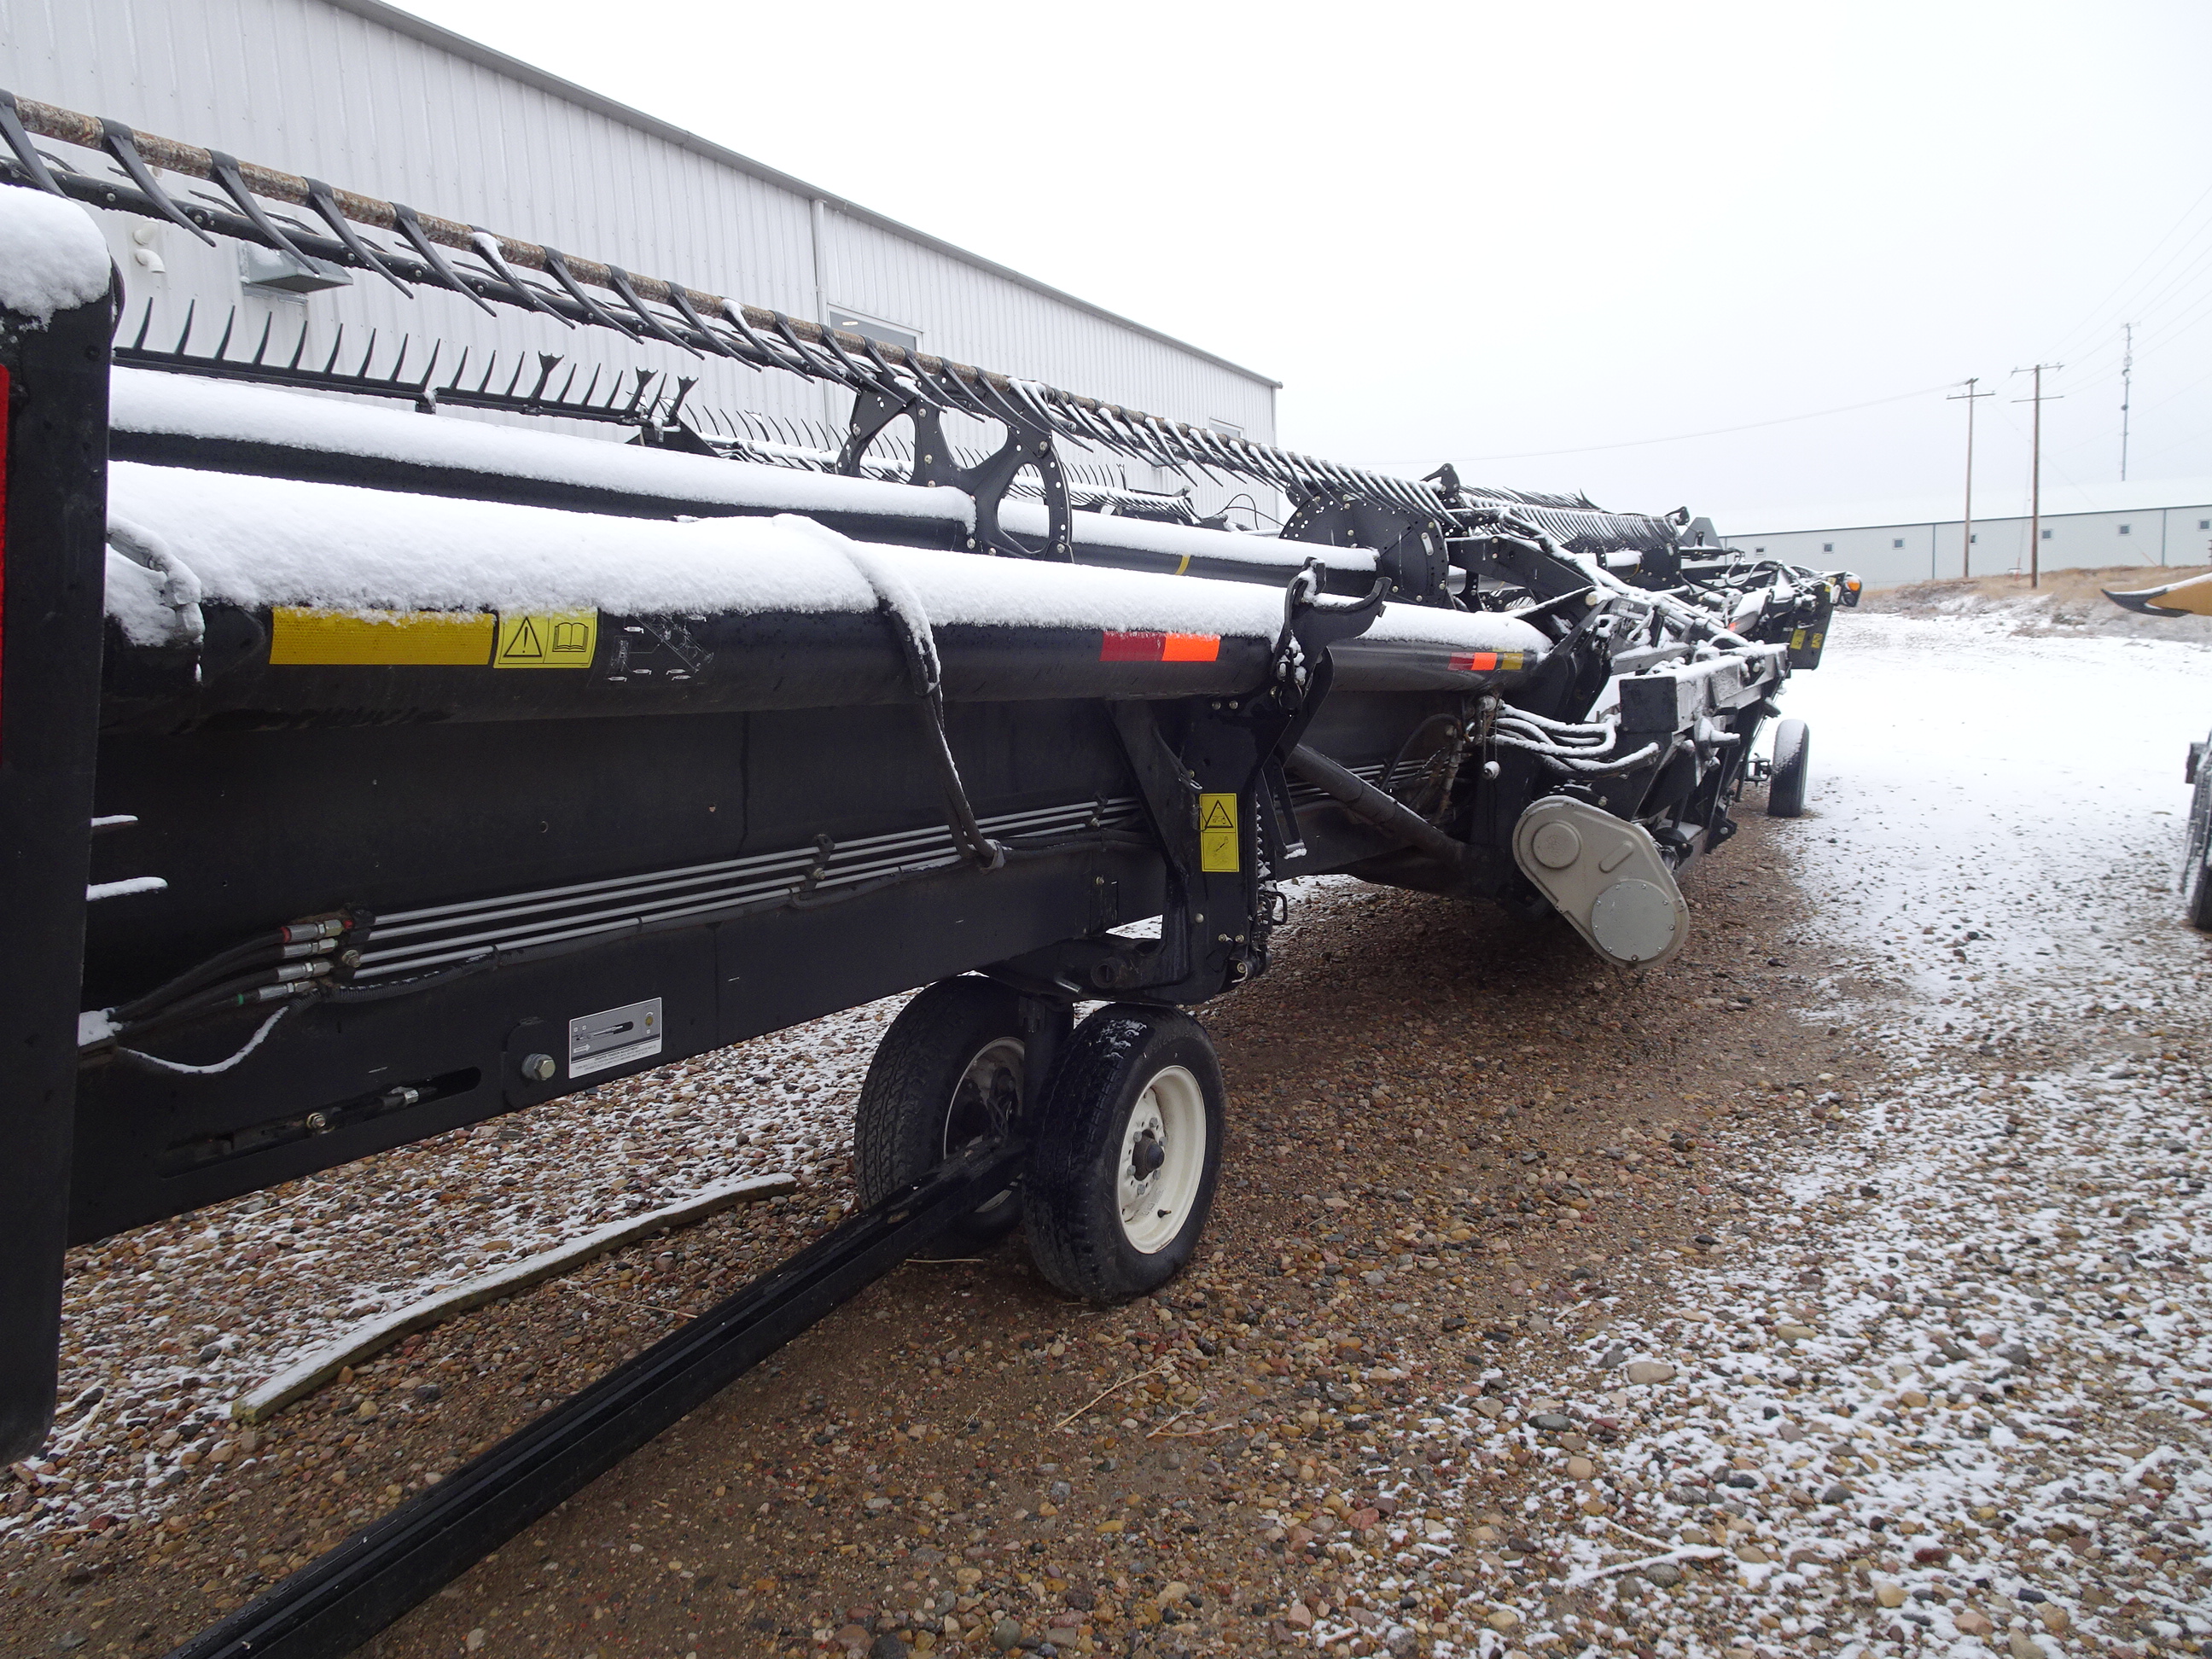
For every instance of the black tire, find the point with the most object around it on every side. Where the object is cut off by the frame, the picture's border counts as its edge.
(2196, 874)
(1126, 1067)
(935, 1085)
(1786, 785)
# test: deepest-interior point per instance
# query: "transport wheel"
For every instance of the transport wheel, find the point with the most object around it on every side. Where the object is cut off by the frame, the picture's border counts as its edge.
(947, 1074)
(1129, 1149)
(2196, 877)
(1785, 787)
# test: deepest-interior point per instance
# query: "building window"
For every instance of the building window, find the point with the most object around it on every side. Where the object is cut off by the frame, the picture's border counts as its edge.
(1226, 428)
(2204, 523)
(906, 339)
(1827, 547)
(1759, 550)
(1971, 540)
(1897, 541)
(2046, 535)
(2124, 529)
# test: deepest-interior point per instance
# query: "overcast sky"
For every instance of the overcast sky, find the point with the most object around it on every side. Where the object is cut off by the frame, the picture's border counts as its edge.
(1528, 238)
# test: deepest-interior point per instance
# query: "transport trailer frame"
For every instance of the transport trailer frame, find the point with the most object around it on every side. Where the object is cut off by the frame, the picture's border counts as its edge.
(784, 739)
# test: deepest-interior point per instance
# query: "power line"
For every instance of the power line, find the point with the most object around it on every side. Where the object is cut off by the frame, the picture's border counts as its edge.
(1714, 432)
(2097, 310)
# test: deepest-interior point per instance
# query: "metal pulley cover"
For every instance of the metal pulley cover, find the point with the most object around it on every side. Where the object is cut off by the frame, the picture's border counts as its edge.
(1605, 876)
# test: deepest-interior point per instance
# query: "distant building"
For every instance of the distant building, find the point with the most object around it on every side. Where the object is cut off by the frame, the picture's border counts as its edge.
(371, 99)
(1887, 554)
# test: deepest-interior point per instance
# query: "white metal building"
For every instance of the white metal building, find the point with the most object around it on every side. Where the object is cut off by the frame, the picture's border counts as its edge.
(1886, 554)
(371, 99)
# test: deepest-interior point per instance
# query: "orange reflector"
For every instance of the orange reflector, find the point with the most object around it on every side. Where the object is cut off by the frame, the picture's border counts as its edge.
(1475, 662)
(1160, 647)
(1191, 648)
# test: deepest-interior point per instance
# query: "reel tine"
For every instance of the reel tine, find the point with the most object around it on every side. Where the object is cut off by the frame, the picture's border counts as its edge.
(964, 397)
(325, 202)
(598, 313)
(910, 384)
(817, 366)
(410, 227)
(119, 143)
(27, 153)
(224, 166)
(654, 326)
(733, 312)
(854, 376)
(487, 248)
(1006, 410)
(682, 301)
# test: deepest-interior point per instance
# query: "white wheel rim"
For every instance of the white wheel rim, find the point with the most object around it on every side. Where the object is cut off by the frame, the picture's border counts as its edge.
(996, 1068)
(1166, 1131)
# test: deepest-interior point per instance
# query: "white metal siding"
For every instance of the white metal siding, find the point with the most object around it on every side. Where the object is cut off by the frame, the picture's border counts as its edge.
(316, 88)
(2073, 541)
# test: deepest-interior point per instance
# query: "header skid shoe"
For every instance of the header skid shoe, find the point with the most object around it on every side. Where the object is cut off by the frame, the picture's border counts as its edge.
(1607, 877)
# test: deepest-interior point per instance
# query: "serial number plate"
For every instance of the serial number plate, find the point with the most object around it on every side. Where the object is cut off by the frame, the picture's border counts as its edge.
(619, 1036)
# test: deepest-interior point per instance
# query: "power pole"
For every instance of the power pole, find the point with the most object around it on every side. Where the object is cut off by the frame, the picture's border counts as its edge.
(1968, 397)
(2127, 385)
(2035, 486)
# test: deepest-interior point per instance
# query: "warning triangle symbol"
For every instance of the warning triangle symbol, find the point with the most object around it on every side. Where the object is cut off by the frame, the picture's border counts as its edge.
(1216, 816)
(525, 642)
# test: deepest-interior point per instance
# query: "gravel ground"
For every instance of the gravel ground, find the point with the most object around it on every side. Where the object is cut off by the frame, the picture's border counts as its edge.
(1878, 1317)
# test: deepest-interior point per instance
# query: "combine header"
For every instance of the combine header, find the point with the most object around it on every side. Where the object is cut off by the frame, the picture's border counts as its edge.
(365, 774)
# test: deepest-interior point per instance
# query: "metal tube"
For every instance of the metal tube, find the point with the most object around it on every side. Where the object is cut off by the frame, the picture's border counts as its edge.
(1365, 801)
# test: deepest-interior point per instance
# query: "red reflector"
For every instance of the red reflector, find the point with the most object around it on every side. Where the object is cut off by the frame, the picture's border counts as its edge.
(1160, 647)
(1132, 647)
(1475, 662)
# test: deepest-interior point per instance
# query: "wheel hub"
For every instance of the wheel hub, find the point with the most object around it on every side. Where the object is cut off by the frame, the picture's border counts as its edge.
(1149, 1156)
(1163, 1158)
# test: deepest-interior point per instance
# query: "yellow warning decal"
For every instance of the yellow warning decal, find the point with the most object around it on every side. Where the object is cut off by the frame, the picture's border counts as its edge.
(1817, 638)
(1512, 662)
(1797, 641)
(1217, 834)
(546, 639)
(301, 637)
